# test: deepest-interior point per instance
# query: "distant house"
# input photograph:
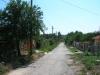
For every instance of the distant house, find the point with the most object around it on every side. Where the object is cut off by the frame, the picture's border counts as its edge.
(97, 39)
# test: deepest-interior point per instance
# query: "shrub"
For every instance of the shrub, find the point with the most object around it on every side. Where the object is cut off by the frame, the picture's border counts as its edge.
(3, 69)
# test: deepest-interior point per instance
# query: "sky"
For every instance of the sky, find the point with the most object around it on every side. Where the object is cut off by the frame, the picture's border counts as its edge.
(68, 15)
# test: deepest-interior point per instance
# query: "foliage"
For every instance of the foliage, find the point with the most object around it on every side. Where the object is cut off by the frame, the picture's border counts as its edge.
(89, 60)
(48, 42)
(3, 69)
(59, 35)
(18, 21)
(73, 36)
(73, 49)
(79, 37)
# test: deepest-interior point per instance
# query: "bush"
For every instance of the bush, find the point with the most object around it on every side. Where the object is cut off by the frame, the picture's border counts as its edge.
(3, 69)
(48, 44)
(87, 58)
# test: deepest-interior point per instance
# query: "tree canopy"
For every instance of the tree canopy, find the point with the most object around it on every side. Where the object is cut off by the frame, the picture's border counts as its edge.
(23, 21)
(80, 37)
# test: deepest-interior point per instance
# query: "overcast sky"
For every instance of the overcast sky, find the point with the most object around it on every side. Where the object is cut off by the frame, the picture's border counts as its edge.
(69, 15)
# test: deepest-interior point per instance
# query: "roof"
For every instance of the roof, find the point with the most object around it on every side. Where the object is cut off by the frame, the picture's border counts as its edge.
(97, 37)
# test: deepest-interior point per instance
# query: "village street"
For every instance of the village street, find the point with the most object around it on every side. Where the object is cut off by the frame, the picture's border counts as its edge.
(57, 62)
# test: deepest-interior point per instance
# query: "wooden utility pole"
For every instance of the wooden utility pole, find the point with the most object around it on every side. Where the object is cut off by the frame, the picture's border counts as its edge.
(52, 29)
(31, 3)
(31, 41)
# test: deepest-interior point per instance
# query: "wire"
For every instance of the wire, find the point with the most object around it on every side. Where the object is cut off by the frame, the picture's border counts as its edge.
(84, 9)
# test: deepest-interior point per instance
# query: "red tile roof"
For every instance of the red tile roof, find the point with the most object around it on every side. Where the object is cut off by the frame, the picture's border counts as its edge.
(97, 37)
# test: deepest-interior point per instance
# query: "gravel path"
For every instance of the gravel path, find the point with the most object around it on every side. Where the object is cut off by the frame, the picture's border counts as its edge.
(54, 63)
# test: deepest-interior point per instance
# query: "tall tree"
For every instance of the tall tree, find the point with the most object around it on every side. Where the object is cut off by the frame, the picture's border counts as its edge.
(17, 16)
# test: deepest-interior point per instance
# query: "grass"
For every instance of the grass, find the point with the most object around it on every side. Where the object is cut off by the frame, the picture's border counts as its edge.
(72, 49)
(3, 69)
(15, 63)
(19, 62)
(48, 45)
(89, 60)
(47, 48)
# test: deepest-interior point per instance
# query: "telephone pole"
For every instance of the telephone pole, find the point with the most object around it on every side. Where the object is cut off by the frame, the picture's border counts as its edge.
(31, 41)
(52, 29)
(31, 3)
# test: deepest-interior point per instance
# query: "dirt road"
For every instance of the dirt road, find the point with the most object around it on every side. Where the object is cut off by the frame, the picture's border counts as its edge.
(54, 63)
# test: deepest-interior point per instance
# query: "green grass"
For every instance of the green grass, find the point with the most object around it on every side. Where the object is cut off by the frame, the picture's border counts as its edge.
(47, 48)
(48, 45)
(3, 69)
(72, 49)
(89, 60)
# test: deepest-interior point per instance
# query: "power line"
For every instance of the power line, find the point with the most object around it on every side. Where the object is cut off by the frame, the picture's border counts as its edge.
(84, 9)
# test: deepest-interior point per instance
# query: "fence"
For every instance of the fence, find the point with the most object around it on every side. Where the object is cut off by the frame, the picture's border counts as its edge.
(86, 46)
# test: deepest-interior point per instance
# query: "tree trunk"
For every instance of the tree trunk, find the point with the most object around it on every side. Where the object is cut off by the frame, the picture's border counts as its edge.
(18, 47)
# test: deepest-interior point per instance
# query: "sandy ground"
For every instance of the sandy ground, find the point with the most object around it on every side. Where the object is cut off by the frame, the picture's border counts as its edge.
(57, 62)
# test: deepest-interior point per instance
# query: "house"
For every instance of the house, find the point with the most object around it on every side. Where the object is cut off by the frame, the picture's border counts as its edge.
(97, 39)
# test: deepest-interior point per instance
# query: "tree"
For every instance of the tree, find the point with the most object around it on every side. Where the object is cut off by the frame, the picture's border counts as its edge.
(59, 35)
(80, 37)
(73, 36)
(19, 18)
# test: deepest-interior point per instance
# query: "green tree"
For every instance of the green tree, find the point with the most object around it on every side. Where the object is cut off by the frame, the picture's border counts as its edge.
(59, 35)
(19, 18)
(73, 36)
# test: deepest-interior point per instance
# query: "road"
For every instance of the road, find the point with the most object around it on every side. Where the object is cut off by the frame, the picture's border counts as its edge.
(54, 63)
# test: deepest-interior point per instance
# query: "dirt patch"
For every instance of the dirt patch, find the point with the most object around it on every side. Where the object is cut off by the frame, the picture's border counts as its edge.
(76, 65)
(36, 56)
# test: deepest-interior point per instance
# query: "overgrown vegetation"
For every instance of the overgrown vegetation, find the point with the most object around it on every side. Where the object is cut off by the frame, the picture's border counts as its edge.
(50, 41)
(91, 62)
(18, 21)
(3, 69)
(79, 37)
(73, 49)
(48, 45)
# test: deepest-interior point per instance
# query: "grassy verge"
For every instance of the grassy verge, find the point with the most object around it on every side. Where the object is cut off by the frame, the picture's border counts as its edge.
(3, 69)
(73, 49)
(48, 45)
(91, 62)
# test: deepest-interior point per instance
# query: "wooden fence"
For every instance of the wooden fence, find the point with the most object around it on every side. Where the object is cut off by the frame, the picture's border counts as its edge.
(88, 47)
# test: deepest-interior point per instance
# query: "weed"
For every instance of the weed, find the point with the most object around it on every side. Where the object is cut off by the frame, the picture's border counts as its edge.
(3, 69)
(88, 59)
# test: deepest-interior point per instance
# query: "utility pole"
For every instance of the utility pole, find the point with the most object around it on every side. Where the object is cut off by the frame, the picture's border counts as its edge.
(52, 29)
(31, 3)
(31, 41)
